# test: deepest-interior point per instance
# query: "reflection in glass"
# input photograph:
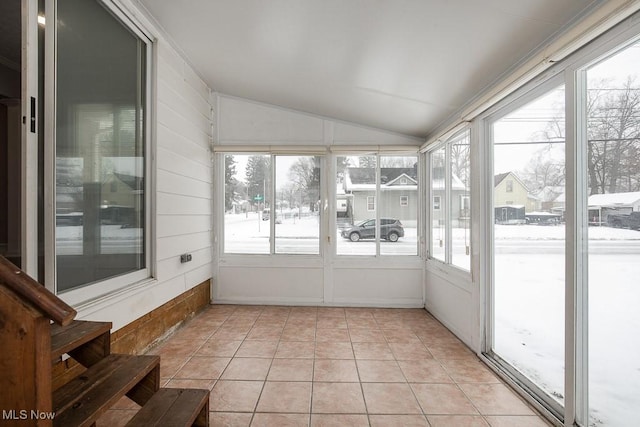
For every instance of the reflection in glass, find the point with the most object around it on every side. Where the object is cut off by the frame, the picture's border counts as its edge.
(296, 209)
(529, 241)
(100, 158)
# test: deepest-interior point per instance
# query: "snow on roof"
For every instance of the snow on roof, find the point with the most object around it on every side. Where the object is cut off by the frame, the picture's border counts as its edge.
(614, 199)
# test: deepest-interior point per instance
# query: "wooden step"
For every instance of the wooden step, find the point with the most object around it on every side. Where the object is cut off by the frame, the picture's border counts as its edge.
(84, 399)
(174, 407)
(87, 342)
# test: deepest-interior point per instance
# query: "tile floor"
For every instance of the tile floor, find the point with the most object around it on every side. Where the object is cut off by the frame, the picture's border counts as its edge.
(321, 366)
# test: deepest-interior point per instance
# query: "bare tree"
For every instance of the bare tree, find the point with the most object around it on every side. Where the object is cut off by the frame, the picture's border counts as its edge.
(305, 175)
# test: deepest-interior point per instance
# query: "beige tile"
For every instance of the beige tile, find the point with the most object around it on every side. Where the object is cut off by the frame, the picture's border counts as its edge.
(335, 370)
(380, 371)
(298, 333)
(372, 351)
(469, 371)
(125, 403)
(332, 335)
(333, 350)
(203, 368)
(169, 365)
(398, 421)
(330, 420)
(330, 312)
(230, 419)
(443, 399)
(235, 396)
(450, 350)
(265, 333)
(337, 398)
(290, 397)
(414, 350)
(177, 348)
(231, 334)
(366, 335)
(295, 350)
(362, 323)
(219, 348)
(390, 399)
(331, 323)
(516, 421)
(400, 335)
(257, 349)
(280, 420)
(495, 399)
(457, 421)
(247, 369)
(424, 371)
(291, 370)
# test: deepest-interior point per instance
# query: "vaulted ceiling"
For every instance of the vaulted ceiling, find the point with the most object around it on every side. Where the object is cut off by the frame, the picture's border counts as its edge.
(400, 65)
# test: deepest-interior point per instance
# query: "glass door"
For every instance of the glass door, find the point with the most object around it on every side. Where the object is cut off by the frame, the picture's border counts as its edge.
(527, 334)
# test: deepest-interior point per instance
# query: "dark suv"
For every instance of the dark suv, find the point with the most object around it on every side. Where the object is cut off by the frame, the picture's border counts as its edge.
(390, 229)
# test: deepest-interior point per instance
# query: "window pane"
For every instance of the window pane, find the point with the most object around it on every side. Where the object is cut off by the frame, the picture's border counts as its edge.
(529, 241)
(356, 190)
(297, 205)
(613, 150)
(438, 224)
(460, 202)
(398, 221)
(100, 159)
(247, 204)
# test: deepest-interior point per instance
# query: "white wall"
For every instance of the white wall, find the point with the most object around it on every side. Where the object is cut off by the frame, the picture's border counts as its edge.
(326, 279)
(183, 184)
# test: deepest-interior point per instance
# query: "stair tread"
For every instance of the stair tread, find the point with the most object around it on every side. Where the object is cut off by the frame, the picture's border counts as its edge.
(67, 338)
(81, 401)
(174, 407)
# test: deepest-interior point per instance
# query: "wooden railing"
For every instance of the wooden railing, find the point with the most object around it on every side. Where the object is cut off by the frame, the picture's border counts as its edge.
(40, 297)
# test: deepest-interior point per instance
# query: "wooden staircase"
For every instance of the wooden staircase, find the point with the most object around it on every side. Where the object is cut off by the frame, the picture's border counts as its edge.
(30, 344)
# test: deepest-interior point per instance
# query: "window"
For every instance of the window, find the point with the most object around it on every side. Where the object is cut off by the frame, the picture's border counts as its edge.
(101, 162)
(529, 241)
(257, 206)
(436, 203)
(371, 203)
(450, 212)
(612, 172)
(369, 188)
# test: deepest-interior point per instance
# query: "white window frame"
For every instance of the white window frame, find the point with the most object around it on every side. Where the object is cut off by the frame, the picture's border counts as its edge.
(371, 203)
(447, 264)
(404, 201)
(118, 286)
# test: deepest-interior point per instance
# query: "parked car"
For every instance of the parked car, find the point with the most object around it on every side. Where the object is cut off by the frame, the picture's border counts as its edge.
(266, 214)
(630, 220)
(390, 229)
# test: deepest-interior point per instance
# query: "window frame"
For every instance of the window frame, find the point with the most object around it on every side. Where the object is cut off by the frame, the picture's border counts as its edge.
(447, 198)
(371, 203)
(404, 201)
(128, 282)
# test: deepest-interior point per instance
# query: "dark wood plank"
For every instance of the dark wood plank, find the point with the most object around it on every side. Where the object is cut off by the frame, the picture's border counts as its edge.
(93, 337)
(174, 408)
(34, 293)
(84, 399)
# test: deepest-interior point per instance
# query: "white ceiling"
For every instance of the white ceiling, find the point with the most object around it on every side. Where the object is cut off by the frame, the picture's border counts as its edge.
(400, 65)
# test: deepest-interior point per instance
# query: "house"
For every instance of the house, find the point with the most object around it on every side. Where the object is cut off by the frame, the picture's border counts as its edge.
(510, 190)
(163, 92)
(398, 191)
(601, 205)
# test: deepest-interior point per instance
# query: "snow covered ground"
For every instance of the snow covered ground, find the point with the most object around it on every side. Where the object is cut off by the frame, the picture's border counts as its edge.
(529, 315)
